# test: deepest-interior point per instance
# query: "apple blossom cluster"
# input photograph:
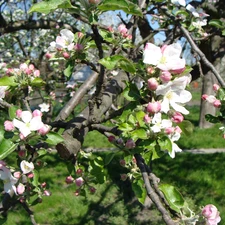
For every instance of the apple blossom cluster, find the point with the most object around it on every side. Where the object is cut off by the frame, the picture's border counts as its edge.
(65, 45)
(80, 181)
(167, 83)
(21, 182)
(27, 122)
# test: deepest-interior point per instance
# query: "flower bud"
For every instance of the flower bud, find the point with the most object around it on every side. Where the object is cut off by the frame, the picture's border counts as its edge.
(79, 181)
(130, 144)
(165, 76)
(48, 55)
(216, 87)
(79, 171)
(66, 55)
(44, 129)
(152, 84)
(177, 117)
(204, 97)
(78, 47)
(37, 73)
(111, 139)
(147, 119)
(169, 130)
(92, 190)
(122, 162)
(123, 176)
(19, 113)
(17, 174)
(20, 189)
(9, 125)
(43, 185)
(150, 70)
(30, 175)
(69, 180)
(47, 193)
(217, 103)
(154, 107)
(37, 112)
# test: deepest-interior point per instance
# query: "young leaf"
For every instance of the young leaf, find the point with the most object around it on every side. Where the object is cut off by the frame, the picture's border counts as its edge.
(69, 69)
(7, 81)
(53, 138)
(173, 196)
(187, 127)
(37, 82)
(216, 23)
(139, 190)
(48, 6)
(127, 6)
(12, 111)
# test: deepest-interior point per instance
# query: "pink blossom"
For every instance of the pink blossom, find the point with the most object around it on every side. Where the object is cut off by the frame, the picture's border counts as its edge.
(9, 125)
(37, 73)
(152, 84)
(177, 117)
(147, 119)
(217, 103)
(79, 181)
(37, 112)
(165, 76)
(66, 55)
(216, 87)
(78, 47)
(167, 58)
(18, 113)
(69, 180)
(211, 214)
(20, 189)
(154, 107)
(17, 174)
(122, 29)
(44, 129)
(130, 144)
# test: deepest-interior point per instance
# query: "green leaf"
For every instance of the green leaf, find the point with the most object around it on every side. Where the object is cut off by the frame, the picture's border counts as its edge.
(53, 138)
(173, 196)
(69, 69)
(140, 118)
(216, 23)
(6, 146)
(187, 127)
(47, 6)
(212, 119)
(12, 111)
(118, 61)
(139, 189)
(125, 127)
(127, 6)
(108, 158)
(165, 144)
(131, 92)
(139, 134)
(96, 168)
(223, 32)
(8, 81)
(35, 178)
(37, 82)
(221, 94)
(182, 12)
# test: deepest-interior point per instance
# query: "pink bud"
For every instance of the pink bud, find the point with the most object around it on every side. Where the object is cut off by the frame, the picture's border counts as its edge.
(217, 103)
(79, 181)
(78, 47)
(22, 153)
(169, 130)
(48, 55)
(44, 129)
(23, 66)
(8, 125)
(77, 192)
(43, 185)
(165, 76)
(122, 162)
(154, 107)
(177, 117)
(30, 175)
(152, 84)
(150, 70)
(31, 67)
(111, 139)
(22, 136)
(80, 34)
(37, 73)
(47, 193)
(20, 189)
(130, 144)
(147, 119)
(119, 141)
(216, 87)
(204, 97)
(123, 176)
(19, 113)
(66, 55)
(178, 71)
(37, 112)
(17, 174)
(110, 29)
(94, 1)
(177, 130)
(79, 171)
(69, 180)
(122, 29)
(211, 214)
(129, 36)
(92, 190)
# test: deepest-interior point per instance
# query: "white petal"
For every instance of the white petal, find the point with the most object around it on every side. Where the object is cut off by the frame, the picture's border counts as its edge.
(68, 34)
(17, 123)
(172, 51)
(179, 108)
(26, 116)
(36, 123)
(152, 54)
(165, 106)
(163, 88)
